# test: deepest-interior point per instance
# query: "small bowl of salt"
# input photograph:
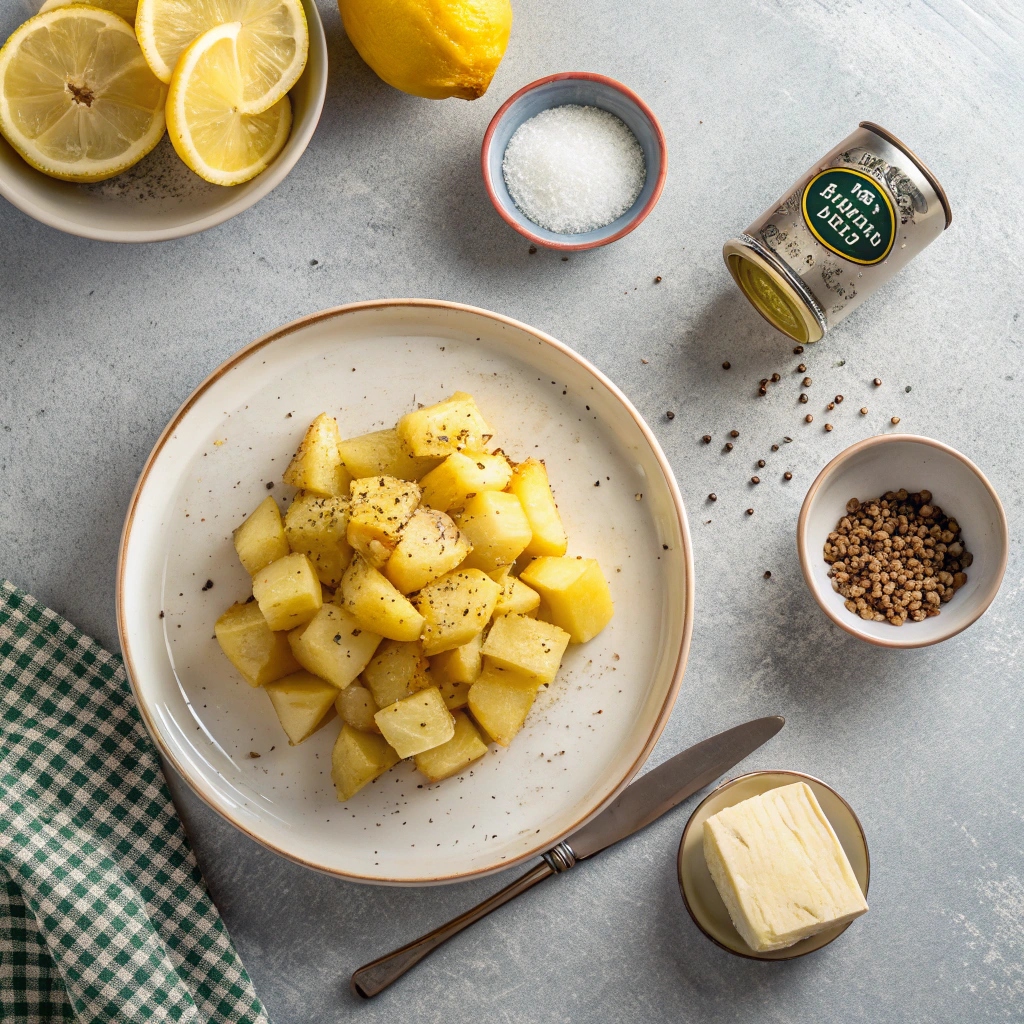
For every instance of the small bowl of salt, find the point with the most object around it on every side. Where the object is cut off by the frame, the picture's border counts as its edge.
(574, 161)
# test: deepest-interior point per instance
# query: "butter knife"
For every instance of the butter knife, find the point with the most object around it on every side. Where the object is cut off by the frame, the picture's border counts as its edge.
(637, 806)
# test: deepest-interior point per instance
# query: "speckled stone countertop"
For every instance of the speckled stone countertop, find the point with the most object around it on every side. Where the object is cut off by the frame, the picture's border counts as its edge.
(101, 344)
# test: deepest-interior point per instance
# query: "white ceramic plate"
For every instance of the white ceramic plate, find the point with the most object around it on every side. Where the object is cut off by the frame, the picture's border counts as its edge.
(368, 364)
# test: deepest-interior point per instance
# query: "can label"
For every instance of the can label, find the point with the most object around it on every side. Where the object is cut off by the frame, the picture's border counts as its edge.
(850, 214)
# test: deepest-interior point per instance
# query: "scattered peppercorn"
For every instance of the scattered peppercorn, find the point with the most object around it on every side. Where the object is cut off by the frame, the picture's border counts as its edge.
(787, 475)
(830, 406)
(734, 433)
(828, 428)
(894, 420)
(763, 390)
(788, 440)
(533, 249)
(657, 280)
(877, 382)
(801, 368)
(839, 399)
(270, 485)
(726, 365)
(908, 389)
(767, 574)
(670, 415)
(775, 447)
(760, 463)
(803, 399)
(763, 381)
(208, 585)
(706, 439)
(712, 496)
(728, 446)
(864, 410)
(776, 378)
(750, 511)
(807, 382)
(755, 479)
(808, 418)
(798, 350)
(565, 259)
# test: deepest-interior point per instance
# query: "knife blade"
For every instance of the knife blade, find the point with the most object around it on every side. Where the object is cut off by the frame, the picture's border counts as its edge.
(637, 806)
(668, 785)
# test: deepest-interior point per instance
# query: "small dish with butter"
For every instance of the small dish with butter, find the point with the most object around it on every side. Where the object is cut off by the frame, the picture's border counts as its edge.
(774, 865)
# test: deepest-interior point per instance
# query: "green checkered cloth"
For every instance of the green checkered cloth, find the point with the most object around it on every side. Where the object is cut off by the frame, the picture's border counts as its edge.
(104, 915)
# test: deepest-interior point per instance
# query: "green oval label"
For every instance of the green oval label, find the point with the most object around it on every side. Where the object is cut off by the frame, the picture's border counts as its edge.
(850, 214)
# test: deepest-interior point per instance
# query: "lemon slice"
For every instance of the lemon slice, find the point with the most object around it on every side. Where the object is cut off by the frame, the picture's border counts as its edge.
(123, 8)
(77, 99)
(273, 41)
(208, 130)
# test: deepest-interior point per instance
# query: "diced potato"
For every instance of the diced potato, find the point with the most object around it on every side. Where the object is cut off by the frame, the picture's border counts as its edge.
(455, 608)
(316, 527)
(455, 695)
(429, 546)
(317, 465)
(358, 758)
(261, 540)
(332, 646)
(575, 594)
(375, 604)
(516, 598)
(453, 425)
(381, 506)
(531, 486)
(384, 453)
(302, 703)
(500, 700)
(531, 647)
(356, 706)
(497, 527)
(397, 671)
(417, 723)
(458, 753)
(460, 664)
(288, 592)
(258, 653)
(461, 476)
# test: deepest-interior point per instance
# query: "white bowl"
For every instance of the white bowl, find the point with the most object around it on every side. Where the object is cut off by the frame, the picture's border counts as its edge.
(160, 198)
(369, 363)
(888, 462)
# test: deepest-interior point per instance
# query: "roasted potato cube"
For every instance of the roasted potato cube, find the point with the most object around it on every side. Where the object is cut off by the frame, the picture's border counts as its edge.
(458, 753)
(381, 506)
(397, 671)
(317, 465)
(454, 425)
(497, 527)
(358, 758)
(516, 598)
(316, 527)
(332, 646)
(455, 608)
(417, 723)
(455, 695)
(429, 546)
(460, 476)
(302, 703)
(261, 540)
(384, 453)
(288, 592)
(575, 594)
(500, 700)
(375, 604)
(258, 653)
(531, 486)
(531, 647)
(459, 665)
(356, 706)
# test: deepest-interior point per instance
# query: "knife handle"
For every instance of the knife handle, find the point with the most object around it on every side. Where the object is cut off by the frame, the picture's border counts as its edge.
(373, 978)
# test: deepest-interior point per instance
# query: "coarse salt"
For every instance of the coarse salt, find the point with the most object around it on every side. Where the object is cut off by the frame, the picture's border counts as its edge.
(573, 169)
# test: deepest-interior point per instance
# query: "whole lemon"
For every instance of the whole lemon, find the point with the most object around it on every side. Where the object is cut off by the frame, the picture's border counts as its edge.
(431, 48)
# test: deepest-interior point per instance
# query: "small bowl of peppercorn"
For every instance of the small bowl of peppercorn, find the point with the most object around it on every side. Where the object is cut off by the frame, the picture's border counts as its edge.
(902, 541)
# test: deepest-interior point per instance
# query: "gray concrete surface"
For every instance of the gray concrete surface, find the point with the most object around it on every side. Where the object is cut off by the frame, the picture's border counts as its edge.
(101, 343)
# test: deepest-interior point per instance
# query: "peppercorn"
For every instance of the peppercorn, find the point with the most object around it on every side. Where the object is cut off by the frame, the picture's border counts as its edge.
(801, 368)
(806, 382)
(803, 399)
(657, 280)
(760, 463)
(808, 418)
(670, 415)
(750, 511)
(787, 475)
(775, 447)
(767, 574)
(712, 496)
(763, 390)
(755, 479)
(734, 433)
(864, 410)
(877, 382)
(830, 406)
(798, 350)
(728, 446)
(828, 428)
(894, 420)
(726, 365)
(776, 378)
(706, 439)
(839, 399)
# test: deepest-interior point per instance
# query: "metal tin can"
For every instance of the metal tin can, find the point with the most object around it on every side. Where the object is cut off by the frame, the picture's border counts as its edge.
(845, 228)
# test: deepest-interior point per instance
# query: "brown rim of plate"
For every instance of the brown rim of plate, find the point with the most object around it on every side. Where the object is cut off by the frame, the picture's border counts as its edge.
(918, 163)
(380, 304)
(730, 782)
(585, 76)
(805, 562)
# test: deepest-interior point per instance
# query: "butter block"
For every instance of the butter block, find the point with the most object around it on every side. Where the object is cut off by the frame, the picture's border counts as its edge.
(780, 869)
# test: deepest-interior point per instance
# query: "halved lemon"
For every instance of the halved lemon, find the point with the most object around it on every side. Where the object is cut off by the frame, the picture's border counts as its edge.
(272, 46)
(77, 98)
(122, 8)
(207, 127)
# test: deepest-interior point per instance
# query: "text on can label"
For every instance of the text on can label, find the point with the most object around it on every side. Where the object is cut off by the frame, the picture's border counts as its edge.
(850, 214)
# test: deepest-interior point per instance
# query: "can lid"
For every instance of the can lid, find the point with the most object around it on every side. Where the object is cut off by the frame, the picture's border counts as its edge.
(771, 294)
(921, 166)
